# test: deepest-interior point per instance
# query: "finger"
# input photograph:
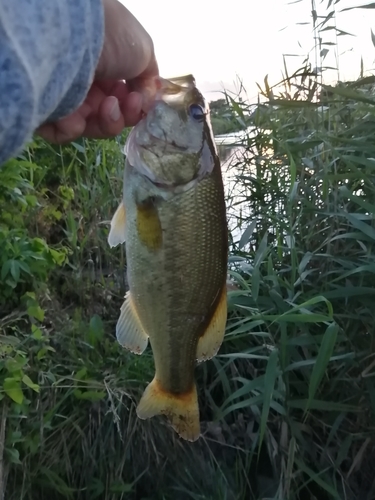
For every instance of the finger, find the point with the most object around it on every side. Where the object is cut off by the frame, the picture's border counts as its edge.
(118, 88)
(99, 117)
(100, 90)
(94, 98)
(131, 108)
(130, 102)
(108, 122)
(84, 121)
(151, 70)
(63, 131)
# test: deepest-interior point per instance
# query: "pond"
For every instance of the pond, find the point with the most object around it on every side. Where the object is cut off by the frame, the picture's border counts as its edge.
(233, 157)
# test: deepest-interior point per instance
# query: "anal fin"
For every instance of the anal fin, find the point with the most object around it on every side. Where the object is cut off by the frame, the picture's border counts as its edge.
(210, 341)
(117, 232)
(182, 410)
(129, 330)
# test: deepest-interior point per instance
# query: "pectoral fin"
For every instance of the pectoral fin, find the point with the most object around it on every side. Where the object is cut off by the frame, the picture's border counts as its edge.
(129, 330)
(148, 225)
(117, 232)
(181, 409)
(209, 343)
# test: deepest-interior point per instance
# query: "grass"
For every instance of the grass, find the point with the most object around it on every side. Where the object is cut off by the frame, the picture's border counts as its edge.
(287, 406)
(303, 317)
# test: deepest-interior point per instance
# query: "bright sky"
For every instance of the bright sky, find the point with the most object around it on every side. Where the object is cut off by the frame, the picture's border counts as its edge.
(218, 40)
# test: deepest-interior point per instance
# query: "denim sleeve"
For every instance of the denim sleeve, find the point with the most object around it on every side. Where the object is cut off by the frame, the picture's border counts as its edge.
(49, 50)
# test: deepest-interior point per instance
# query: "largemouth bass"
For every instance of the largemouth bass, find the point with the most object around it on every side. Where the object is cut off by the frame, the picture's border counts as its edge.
(173, 221)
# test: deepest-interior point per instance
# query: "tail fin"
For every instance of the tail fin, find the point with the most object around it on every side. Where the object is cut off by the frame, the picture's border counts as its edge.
(181, 409)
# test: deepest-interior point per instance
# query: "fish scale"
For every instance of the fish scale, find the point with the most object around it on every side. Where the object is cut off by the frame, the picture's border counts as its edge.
(161, 299)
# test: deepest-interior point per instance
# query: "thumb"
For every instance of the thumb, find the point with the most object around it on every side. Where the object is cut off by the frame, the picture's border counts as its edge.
(128, 50)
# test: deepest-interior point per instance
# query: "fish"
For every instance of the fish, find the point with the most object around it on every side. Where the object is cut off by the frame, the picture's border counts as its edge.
(172, 219)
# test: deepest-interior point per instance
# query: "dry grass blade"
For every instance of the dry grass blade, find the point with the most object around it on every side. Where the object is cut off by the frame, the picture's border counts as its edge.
(357, 461)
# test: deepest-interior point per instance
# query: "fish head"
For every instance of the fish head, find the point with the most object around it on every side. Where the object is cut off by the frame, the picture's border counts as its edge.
(173, 143)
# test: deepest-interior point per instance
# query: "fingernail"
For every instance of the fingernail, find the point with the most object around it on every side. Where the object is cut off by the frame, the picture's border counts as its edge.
(115, 112)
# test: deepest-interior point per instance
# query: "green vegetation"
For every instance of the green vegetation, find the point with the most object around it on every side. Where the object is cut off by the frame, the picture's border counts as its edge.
(300, 342)
(224, 119)
(288, 405)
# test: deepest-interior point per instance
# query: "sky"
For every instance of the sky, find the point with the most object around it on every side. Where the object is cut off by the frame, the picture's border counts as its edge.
(220, 42)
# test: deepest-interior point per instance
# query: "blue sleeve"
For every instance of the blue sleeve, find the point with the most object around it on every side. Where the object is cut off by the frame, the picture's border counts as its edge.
(49, 50)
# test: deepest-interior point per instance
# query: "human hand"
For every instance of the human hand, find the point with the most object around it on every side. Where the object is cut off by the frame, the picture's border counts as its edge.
(111, 104)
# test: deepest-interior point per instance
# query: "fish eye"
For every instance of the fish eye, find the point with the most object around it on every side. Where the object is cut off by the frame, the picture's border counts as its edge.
(196, 111)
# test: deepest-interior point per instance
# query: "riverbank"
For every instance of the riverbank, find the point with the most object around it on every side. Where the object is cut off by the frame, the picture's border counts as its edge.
(286, 405)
